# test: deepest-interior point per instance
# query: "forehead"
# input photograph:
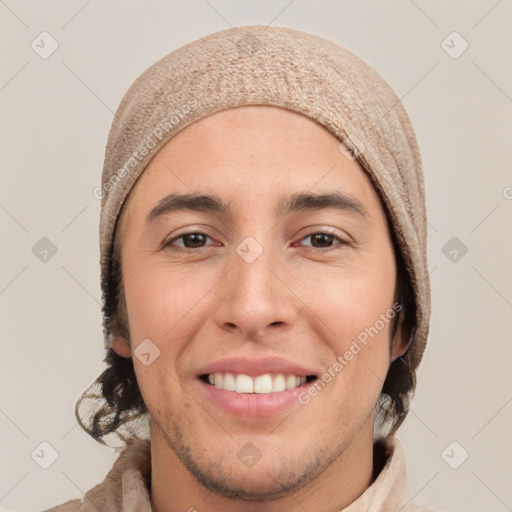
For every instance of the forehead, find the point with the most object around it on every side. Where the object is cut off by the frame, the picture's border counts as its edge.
(252, 154)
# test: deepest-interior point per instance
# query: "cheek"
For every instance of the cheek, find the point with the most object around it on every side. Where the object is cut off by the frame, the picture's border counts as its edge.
(159, 301)
(353, 315)
(348, 301)
(162, 307)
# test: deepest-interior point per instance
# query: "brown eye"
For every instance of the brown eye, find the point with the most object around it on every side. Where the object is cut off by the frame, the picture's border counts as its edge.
(323, 239)
(192, 241)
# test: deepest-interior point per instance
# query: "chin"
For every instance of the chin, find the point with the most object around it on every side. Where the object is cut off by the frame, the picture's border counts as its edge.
(251, 484)
(251, 475)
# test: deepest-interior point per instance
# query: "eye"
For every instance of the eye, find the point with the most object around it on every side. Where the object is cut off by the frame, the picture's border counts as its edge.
(323, 240)
(191, 241)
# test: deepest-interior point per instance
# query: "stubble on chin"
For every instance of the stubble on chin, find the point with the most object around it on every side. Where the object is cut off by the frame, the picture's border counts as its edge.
(228, 477)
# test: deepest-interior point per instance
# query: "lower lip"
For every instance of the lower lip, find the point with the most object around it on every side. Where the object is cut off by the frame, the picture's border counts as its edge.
(253, 405)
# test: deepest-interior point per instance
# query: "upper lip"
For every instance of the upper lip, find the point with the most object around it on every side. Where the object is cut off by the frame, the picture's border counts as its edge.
(256, 366)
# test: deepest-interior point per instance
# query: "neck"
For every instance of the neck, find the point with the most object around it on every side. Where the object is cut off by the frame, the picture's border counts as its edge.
(174, 489)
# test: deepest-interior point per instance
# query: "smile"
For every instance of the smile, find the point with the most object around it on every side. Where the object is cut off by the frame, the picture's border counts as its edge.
(261, 384)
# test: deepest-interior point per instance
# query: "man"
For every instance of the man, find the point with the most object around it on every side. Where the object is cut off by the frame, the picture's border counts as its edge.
(266, 293)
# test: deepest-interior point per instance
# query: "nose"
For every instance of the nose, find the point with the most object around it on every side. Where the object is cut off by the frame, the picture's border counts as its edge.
(255, 298)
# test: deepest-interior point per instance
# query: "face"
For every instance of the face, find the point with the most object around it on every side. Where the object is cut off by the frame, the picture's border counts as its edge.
(290, 299)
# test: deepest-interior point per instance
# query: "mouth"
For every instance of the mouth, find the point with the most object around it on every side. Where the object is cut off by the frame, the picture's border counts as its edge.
(254, 387)
(264, 384)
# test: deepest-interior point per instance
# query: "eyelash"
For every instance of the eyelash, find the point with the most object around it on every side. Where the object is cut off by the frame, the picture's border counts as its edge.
(342, 242)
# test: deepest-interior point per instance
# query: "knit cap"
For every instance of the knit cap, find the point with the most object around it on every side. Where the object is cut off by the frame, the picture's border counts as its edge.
(283, 67)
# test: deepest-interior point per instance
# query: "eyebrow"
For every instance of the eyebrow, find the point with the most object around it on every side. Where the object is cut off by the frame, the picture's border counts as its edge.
(294, 203)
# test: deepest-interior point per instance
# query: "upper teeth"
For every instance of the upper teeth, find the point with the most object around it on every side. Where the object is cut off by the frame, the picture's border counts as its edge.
(266, 383)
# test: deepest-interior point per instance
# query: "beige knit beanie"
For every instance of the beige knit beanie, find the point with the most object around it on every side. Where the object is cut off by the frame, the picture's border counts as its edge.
(260, 65)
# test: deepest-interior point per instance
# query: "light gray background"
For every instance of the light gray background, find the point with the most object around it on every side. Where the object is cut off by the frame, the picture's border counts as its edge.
(56, 114)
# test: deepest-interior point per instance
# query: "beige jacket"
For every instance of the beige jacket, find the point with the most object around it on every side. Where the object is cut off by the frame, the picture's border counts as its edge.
(125, 488)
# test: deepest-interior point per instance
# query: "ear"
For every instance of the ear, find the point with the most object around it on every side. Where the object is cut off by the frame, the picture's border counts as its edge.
(121, 346)
(402, 340)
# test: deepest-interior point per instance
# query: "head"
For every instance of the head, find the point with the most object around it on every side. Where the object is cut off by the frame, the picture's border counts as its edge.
(326, 287)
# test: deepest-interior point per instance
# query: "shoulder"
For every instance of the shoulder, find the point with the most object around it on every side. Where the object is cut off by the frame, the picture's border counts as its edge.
(68, 506)
(133, 464)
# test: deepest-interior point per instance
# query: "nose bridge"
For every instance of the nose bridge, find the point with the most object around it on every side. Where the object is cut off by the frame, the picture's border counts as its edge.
(253, 280)
(253, 297)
